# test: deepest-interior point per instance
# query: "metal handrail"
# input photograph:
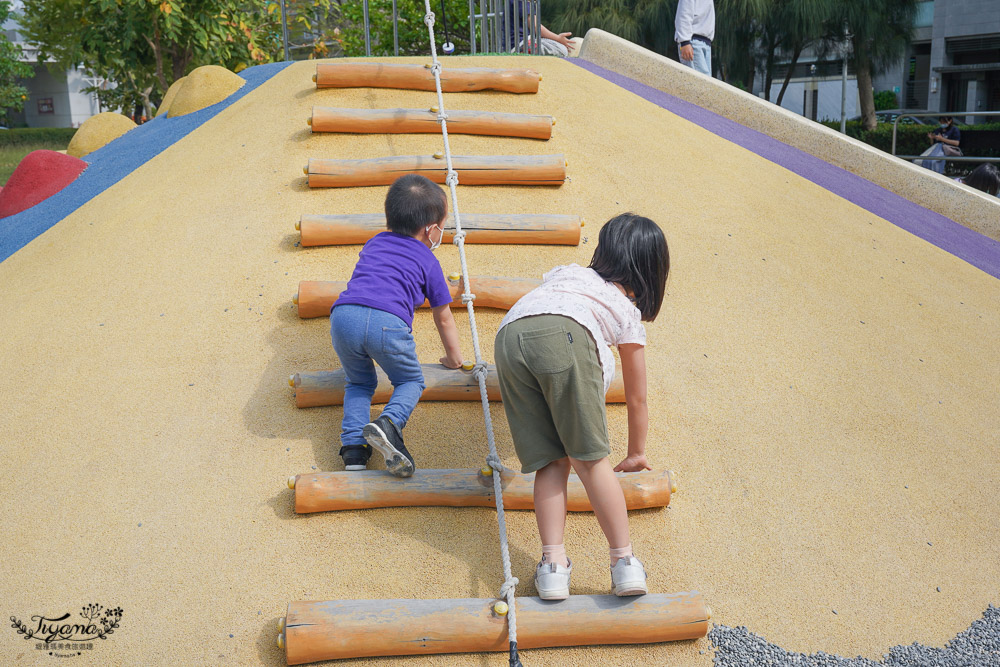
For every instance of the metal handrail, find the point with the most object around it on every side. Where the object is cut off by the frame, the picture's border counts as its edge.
(938, 114)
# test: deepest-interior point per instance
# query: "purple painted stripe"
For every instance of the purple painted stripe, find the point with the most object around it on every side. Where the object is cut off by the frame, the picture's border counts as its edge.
(973, 247)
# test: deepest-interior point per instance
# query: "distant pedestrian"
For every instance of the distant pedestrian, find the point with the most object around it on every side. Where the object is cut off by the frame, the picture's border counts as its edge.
(694, 26)
(945, 142)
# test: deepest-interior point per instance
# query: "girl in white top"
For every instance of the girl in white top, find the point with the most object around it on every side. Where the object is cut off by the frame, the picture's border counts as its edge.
(555, 365)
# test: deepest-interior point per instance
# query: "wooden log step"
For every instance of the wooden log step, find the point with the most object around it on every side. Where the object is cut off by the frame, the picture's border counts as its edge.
(364, 489)
(472, 170)
(414, 121)
(316, 297)
(341, 629)
(420, 77)
(358, 228)
(316, 388)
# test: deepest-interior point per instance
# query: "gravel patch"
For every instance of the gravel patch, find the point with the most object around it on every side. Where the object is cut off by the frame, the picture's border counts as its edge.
(978, 646)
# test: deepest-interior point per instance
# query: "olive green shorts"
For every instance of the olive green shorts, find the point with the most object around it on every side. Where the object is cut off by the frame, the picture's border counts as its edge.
(553, 390)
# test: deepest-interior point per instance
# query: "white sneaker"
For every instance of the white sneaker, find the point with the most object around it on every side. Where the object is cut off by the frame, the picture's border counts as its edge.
(552, 580)
(628, 577)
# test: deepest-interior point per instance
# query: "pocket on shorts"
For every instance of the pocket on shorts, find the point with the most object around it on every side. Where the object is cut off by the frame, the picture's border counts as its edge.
(547, 350)
(397, 340)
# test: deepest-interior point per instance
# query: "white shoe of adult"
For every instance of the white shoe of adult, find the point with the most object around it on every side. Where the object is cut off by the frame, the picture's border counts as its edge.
(552, 580)
(628, 577)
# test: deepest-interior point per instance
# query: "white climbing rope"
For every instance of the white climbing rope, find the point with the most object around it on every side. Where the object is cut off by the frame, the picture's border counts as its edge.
(479, 370)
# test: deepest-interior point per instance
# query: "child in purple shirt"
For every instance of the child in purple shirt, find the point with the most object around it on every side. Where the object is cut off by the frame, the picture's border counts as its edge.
(372, 322)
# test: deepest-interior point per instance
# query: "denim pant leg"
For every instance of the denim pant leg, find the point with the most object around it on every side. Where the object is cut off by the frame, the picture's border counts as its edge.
(348, 330)
(702, 57)
(390, 343)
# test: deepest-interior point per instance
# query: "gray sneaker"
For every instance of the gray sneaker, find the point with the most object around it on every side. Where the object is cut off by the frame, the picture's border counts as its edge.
(383, 435)
(628, 577)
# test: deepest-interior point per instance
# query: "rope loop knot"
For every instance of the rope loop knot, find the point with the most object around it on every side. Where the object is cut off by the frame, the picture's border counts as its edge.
(459, 238)
(451, 179)
(442, 116)
(507, 590)
(436, 67)
(429, 19)
(482, 373)
(468, 298)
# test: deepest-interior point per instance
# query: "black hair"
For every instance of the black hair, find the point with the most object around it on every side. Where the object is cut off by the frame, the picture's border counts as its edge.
(412, 203)
(985, 177)
(632, 252)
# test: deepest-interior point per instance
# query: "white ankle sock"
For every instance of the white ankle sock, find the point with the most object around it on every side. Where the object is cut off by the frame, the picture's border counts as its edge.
(616, 554)
(555, 553)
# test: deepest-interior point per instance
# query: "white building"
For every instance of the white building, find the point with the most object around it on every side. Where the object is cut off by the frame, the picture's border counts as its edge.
(55, 98)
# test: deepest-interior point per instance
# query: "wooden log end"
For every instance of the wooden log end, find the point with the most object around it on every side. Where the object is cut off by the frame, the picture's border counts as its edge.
(291, 484)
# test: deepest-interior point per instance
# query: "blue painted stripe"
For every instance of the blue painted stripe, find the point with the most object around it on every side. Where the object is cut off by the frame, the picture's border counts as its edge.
(975, 248)
(113, 162)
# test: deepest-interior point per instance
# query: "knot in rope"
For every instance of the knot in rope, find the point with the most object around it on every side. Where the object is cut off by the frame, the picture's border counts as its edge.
(459, 238)
(467, 299)
(452, 179)
(442, 116)
(479, 371)
(493, 461)
(429, 19)
(436, 69)
(509, 586)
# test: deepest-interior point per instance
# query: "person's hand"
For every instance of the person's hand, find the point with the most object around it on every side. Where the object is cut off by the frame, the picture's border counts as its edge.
(633, 464)
(564, 39)
(687, 52)
(448, 362)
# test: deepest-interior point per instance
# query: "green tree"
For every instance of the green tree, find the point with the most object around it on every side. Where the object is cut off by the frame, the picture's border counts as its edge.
(878, 32)
(12, 93)
(145, 45)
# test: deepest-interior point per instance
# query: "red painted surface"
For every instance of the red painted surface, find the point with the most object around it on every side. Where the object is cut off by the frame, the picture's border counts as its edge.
(40, 175)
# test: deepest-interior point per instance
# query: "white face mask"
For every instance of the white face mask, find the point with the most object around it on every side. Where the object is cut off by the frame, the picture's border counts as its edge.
(435, 244)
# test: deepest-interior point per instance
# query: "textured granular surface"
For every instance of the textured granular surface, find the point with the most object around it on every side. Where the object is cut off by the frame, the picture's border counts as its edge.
(823, 382)
(976, 647)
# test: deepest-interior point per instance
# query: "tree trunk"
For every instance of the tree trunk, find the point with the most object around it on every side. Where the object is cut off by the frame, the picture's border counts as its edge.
(788, 75)
(863, 70)
(769, 68)
(154, 43)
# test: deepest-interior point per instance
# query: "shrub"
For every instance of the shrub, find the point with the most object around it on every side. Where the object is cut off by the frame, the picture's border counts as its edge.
(36, 135)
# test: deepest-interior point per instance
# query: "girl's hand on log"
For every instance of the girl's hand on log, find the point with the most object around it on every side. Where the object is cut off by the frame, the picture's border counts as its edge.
(635, 463)
(448, 362)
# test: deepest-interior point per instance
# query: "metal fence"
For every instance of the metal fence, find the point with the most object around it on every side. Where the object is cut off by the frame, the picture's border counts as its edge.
(495, 26)
(939, 114)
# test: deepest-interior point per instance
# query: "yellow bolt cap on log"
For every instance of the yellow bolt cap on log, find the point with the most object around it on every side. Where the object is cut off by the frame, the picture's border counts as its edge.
(281, 624)
(309, 121)
(291, 482)
(500, 608)
(553, 120)
(582, 222)
(567, 163)
(708, 613)
(281, 641)
(298, 225)
(291, 381)
(295, 299)
(305, 170)
(433, 109)
(438, 156)
(486, 471)
(314, 78)
(673, 481)
(468, 365)
(454, 276)
(427, 65)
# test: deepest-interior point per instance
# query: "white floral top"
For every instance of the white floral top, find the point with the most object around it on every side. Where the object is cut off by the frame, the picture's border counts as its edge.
(582, 295)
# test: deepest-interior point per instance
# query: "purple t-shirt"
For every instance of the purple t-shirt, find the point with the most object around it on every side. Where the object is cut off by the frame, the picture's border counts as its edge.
(396, 273)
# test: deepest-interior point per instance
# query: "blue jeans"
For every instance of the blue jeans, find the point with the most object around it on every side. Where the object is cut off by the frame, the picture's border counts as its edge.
(702, 57)
(360, 336)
